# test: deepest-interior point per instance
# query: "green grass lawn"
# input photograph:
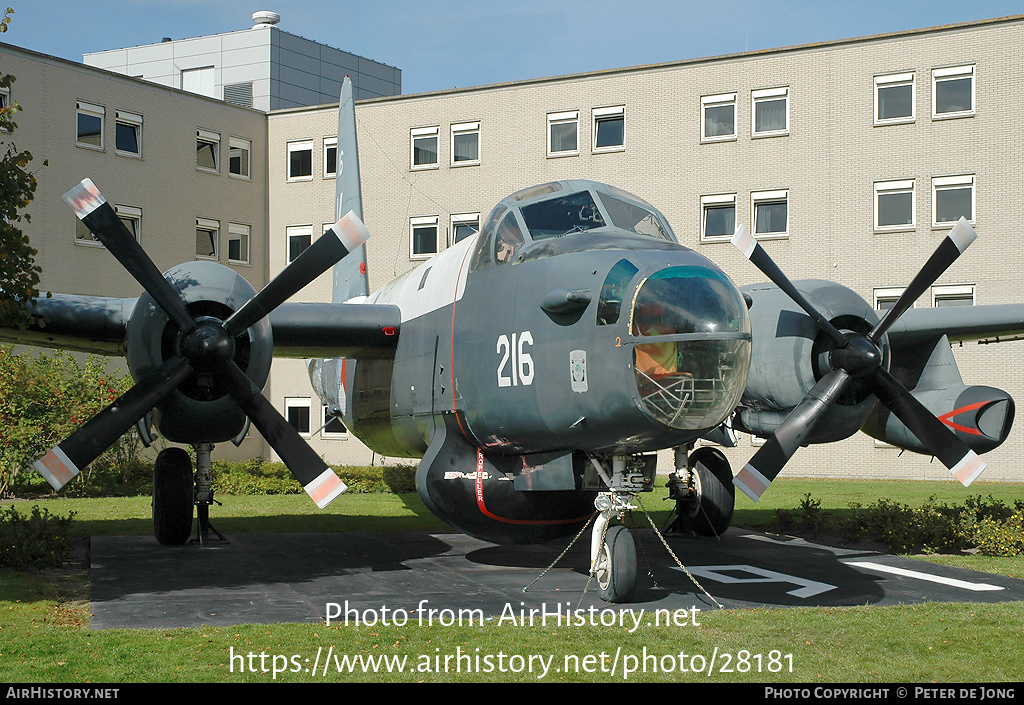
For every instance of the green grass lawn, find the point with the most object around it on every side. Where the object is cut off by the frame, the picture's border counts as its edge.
(44, 634)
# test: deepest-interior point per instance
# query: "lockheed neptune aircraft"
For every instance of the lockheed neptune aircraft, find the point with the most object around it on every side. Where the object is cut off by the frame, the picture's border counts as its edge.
(535, 367)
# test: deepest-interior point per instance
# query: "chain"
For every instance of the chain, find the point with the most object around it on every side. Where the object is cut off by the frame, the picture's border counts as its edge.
(562, 554)
(676, 558)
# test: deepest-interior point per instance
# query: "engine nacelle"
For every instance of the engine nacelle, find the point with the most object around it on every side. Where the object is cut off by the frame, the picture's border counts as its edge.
(980, 416)
(200, 411)
(790, 353)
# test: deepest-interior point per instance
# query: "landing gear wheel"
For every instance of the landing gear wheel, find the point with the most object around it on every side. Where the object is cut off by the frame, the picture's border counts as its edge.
(709, 512)
(616, 565)
(172, 497)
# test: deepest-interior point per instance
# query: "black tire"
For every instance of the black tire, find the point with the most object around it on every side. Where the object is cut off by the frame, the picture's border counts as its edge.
(711, 513)
(616, 566)
(173, 497)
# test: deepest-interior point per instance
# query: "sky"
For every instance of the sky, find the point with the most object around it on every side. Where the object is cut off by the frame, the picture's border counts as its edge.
(445, 44)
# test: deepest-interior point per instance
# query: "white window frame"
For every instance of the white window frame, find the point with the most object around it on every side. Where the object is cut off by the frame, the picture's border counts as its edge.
(953, 291)
(717, 200)
(419, 222)
(716, 101)
(564, 118)
(245, 145)
(239, 231)
(599, 115)
(300, 403)
(941, 183)
(891, 187)
(5, 97)
(96, 111)
(123, 211)
(300, 146)
(212, 138)
(331, 143)
(330, 435)
(291, 231)
(213, 226)
(892, 81)
(465, 128)
(134, 120)
(766, 198)
(888, 293)
(953, 73)
(764, 95)
(419, 133)
(459, 219)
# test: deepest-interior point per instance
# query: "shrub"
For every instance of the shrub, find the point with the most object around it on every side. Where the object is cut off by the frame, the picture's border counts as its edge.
(43, 400)
(994, 537)
(257, 476)
(38, 540)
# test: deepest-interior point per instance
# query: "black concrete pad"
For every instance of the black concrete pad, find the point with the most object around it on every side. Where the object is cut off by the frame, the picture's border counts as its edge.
(273, 578)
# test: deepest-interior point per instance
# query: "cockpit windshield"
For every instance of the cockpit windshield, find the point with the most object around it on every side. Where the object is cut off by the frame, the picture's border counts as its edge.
(574, 213)
(634, 217)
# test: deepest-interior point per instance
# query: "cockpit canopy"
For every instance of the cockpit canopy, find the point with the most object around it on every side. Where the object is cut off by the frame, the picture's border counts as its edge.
(562, 208)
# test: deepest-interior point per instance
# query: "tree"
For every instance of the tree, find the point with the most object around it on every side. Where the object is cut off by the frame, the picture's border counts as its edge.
(19, 276)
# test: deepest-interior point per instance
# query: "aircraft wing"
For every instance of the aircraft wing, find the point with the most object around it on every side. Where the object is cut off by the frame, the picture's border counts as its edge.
(920, 325)
(90, 324)
(98, 325)
(328, 330)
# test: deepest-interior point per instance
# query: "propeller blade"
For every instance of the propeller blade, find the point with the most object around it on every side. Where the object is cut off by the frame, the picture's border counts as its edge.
(86, 444)
(962, 462)
(752, 250)
(319, 481)
(956, 242)
(770, 458)
(343, 237)
(101, 219)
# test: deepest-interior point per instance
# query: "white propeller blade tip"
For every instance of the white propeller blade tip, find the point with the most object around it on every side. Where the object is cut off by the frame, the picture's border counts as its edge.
(744, 241)
(325, 488)
(57, 468)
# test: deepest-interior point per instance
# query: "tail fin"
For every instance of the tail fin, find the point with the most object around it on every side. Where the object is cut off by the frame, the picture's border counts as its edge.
(350, 274)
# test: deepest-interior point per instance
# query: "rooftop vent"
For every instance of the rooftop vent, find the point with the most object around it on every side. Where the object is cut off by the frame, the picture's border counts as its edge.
(265, 18)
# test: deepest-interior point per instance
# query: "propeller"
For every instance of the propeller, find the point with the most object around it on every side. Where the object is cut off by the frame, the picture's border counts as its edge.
(858, 357)
(206, 346)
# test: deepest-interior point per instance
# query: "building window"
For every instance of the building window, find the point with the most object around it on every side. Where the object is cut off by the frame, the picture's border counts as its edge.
(563, 134)
(424, 237)
(953, 92)
(238, 243)
(465, 143)
(239, 151)
(424, 147)
(208, 150)
(207, 238)
(296, 411)
(952, 199)
(952, 295)
(465, 225)
(130, 216)
(718, 117)
(5, 98)
(128, 134)
(886, 297)
(300, 237)
(894, 205)
(330, 157)
(894, 98)
(718, 217)
(331, 426)
(771, 213)
(770, 112)
(90, 125)
(300, 160)
(609, 129)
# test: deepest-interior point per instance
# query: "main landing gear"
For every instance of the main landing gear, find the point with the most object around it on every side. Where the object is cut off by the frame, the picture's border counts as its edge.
(703, 492)
(176, 490)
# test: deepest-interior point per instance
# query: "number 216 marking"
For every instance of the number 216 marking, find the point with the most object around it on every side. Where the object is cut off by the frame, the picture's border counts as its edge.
(515, 359)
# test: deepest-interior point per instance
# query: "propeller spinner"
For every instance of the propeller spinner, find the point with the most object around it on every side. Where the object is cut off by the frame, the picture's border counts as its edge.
(207, 346)
(858, 357)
